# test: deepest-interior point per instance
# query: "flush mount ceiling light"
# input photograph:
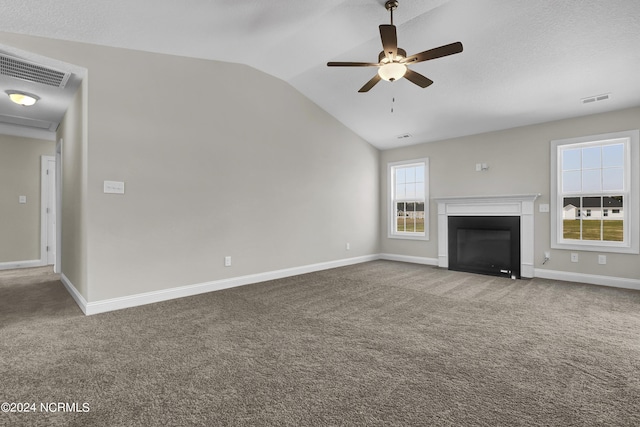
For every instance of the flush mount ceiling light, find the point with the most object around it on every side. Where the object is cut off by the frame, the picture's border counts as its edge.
(22, 98)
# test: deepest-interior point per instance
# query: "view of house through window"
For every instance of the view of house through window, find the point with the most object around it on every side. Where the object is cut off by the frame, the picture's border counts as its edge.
(408, 196)
(593, 187)
(592, 218)
(410, 216)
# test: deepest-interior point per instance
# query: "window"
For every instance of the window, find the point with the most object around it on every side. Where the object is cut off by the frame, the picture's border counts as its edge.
(594, 195)
(409, 199)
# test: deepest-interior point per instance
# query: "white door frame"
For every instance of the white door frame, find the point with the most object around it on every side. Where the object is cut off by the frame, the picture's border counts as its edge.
(47, 212)
(57, 268)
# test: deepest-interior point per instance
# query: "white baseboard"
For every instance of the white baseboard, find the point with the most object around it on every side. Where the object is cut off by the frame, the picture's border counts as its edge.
(103, 306)
(200, 288)
(79, 299)
(592, 279)
(411, 259)
(21, 264)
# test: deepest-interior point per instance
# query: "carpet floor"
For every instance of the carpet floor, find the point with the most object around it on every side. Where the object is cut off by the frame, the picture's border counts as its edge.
(378, 343)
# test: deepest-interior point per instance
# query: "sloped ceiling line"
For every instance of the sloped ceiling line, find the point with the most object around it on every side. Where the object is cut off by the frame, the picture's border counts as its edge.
(524, 62)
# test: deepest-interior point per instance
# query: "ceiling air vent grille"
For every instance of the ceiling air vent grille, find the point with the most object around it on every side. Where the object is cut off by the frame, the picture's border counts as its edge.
(596, 98)
(24, 70)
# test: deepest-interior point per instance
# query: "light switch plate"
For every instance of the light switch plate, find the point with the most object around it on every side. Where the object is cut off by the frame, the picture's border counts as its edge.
(544, 207)
(22, 199)
(114, 187)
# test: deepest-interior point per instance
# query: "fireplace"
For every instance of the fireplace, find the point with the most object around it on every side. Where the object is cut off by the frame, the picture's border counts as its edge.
(519, 206)
(485, 245)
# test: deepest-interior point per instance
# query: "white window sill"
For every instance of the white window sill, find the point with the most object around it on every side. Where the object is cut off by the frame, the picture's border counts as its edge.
(595, 248)
(408, 236)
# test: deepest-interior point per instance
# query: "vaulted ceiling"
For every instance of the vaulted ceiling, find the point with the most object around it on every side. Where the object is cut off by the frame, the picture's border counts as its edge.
(523, 62)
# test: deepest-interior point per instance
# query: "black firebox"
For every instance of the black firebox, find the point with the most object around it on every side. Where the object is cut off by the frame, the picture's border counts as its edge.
(485, 245)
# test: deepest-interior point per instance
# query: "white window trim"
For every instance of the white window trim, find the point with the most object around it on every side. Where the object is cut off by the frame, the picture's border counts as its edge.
(631, 244)
(392, 234)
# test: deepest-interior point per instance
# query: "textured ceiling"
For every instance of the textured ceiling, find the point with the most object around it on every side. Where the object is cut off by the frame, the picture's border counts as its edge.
(524, 61)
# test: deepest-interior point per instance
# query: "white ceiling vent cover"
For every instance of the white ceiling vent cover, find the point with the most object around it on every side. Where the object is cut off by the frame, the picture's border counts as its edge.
(31, 72)
(595, 98)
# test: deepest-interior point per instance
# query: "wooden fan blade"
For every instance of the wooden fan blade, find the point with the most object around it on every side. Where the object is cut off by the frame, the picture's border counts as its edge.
(351, 64)
(418, 78)
(438, 52)
(389, 39)
(371, 83)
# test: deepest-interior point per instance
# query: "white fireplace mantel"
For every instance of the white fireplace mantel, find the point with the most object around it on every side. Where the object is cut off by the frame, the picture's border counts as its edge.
(511, 205)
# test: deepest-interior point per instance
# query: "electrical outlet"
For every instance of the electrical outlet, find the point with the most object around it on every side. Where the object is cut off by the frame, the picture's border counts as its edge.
(574, 257)
(602, 259)
(547, 255)
(348, 246)
(227, 261)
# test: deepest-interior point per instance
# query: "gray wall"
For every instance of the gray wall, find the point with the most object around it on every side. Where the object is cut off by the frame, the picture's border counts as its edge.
(72, 132)
(518, 162)
(20, 164)
(246, 167)
(252, 169)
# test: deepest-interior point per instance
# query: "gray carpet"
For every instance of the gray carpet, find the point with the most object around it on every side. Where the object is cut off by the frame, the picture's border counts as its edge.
(380, 343)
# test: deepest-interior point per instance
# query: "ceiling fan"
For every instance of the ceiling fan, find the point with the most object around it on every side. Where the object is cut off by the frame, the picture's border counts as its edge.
(393, 61)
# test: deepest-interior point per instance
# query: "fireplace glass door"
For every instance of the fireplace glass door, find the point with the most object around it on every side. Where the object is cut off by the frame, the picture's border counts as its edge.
(485, 245)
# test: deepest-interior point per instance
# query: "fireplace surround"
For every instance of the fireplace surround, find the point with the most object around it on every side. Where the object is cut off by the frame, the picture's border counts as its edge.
(521, 206)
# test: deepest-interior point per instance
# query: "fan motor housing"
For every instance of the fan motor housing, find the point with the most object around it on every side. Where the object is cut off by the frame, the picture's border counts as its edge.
(401, 52)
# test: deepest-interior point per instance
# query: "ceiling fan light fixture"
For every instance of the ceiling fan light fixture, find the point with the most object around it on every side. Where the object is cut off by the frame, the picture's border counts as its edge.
(22, 98)
(392, 61)
(392, 71)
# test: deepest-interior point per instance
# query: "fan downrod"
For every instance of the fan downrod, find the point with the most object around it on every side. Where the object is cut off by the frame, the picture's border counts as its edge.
(390, 5)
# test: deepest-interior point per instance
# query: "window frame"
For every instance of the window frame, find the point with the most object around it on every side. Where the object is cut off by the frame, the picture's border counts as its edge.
(391, 226)
(631, 235)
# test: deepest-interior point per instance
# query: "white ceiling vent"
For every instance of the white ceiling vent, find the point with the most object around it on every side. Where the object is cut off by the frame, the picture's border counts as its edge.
(596, 98)
(404, 136)
(31, 72)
